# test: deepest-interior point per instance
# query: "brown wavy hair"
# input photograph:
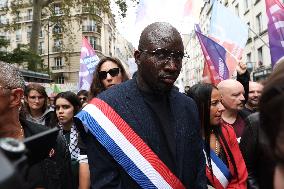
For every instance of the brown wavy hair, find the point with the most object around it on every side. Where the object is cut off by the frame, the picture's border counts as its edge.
(97, 86)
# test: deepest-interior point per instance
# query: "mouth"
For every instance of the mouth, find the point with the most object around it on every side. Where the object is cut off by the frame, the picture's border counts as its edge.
(168, 79)
(110, 85)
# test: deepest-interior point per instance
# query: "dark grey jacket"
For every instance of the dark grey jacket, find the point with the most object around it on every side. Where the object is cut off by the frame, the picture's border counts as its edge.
(128, 102)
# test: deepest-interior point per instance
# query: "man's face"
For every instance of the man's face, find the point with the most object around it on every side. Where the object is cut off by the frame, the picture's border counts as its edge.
(233, 97)
(159, 64)
(255, 90)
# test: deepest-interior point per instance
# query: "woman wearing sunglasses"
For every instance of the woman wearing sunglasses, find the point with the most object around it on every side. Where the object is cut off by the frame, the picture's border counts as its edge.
(108, 72)
(225, 166)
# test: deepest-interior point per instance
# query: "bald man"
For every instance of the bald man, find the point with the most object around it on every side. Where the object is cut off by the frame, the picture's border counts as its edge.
(164, 123)
(255, 90)
(232, 93)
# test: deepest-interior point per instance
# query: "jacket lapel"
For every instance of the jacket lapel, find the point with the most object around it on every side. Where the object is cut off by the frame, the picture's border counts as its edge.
(178, 123)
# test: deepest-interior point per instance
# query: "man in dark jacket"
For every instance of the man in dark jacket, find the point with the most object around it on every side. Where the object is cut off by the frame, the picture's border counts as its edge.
(162, 120)
(52, 172)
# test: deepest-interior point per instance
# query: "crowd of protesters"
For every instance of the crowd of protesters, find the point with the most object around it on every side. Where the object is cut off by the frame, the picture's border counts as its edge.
(143, 133)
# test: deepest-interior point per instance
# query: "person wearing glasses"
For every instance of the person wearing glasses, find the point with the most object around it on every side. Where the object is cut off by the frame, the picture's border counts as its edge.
(83, 97)
(35, 105)
(52, 171)
(109, 72)
(143, 133)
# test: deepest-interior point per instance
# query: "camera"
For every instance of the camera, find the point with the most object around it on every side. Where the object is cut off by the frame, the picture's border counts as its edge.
(13, 163)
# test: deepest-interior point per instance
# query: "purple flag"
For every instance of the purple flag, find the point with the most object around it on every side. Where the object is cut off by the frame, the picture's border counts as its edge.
(214, 55)
(275, 14)
(88, 62)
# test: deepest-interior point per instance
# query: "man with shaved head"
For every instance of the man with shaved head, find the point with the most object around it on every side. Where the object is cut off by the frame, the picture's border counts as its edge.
(232, 93)
(143, 133)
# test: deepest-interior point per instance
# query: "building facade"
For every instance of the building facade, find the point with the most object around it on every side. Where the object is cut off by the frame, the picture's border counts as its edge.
(59, 43)
(256, 52)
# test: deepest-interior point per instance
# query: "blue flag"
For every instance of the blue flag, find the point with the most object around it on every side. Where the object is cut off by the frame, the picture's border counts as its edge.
(214, 54)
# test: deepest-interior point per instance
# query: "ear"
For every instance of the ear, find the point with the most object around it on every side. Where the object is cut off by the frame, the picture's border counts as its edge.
(137, 57)
(16, 97)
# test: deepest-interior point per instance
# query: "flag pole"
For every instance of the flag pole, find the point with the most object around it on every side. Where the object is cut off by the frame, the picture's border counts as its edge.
(258, 36)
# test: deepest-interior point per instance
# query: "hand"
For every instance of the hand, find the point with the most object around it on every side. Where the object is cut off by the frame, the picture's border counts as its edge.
(241, 68)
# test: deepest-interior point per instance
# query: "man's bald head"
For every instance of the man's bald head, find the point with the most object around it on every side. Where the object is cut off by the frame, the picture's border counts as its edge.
(158, 33)
(232, 93)
(229, 84)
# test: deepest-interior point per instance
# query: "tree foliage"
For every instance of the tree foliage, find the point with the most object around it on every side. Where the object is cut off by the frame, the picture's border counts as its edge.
(21, 54)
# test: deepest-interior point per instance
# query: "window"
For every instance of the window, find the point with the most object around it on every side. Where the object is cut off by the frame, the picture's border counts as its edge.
(18, 16)
(29, 32)
(89, 25)
(30, 14)
(249, 35)
(57, 29)
(60, 80)
(18, 34)
(41, 47)
(57, 9)
(237, 9)
(3, 19)
(260, 56)
(58, 61)
(259, 22)
(247, 4)
(249, 57)
(3, 3)
(92, 41)
(57, 45)
(41, 33)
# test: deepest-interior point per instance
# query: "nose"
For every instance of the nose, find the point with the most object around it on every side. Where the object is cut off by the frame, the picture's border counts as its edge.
(109, 77)
(221, 108)
(60, 110)
(242, 98)
(172, 65)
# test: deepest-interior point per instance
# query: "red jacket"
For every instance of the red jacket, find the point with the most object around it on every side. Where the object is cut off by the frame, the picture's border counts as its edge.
(239, 182)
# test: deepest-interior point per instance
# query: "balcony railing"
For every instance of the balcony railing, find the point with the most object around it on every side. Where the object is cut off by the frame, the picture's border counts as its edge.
(89, 28)
(40, 51)
(28, 18)
(57, 49)
(58, 67)
(87, 9)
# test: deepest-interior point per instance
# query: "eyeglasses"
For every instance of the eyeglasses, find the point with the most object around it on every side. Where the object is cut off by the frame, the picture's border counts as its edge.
(163, 54)
(113, 72)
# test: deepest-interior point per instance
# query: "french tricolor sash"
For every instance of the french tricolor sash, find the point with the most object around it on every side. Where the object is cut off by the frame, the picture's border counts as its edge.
(221, 173)
(126, 147)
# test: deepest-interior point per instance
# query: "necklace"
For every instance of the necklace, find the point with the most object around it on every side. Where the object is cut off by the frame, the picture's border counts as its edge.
(22, 131)
(216, 145)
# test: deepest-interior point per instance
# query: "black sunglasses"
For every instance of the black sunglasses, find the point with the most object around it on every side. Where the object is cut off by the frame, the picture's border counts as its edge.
(113, 72)
(163, 54)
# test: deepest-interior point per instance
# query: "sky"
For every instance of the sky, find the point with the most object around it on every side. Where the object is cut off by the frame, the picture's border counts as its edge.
(171, 11)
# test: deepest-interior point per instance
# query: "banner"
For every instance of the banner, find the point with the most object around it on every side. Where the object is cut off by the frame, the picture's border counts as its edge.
(88, 62)
(275, 14)
(227, 29)
(215, 58)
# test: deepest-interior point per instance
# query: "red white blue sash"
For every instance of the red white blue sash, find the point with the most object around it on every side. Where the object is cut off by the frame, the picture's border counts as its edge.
(221, 174)
(126, 147)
